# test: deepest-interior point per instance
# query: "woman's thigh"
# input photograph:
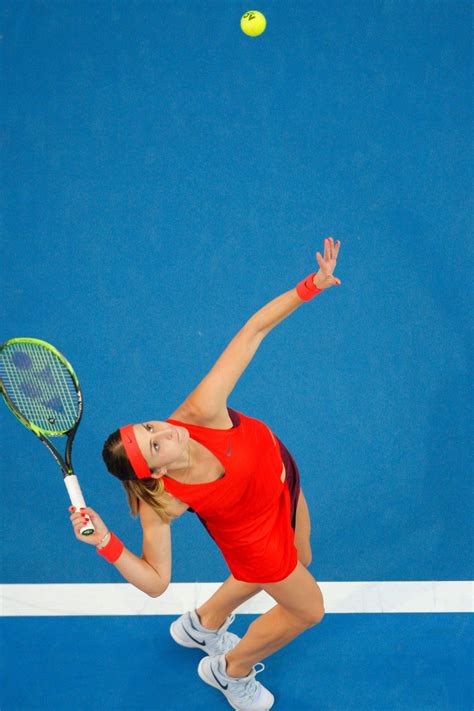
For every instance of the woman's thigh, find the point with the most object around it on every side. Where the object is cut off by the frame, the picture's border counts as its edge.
(303, 530)
(299, 594)
(300, 520)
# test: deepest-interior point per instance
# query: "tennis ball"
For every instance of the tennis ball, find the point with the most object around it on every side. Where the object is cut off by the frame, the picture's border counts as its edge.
(253, 23)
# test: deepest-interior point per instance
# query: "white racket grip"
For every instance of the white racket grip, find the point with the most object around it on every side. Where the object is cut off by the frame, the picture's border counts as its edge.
(77, 500)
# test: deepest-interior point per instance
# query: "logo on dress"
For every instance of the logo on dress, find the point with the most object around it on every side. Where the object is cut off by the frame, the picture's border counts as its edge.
(229, 449)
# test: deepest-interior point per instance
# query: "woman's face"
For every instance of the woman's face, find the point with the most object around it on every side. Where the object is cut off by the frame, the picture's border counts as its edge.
(162, 444)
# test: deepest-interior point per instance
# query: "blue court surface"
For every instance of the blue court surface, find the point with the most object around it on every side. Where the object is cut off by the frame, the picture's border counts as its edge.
(348, 662)
(164, 177)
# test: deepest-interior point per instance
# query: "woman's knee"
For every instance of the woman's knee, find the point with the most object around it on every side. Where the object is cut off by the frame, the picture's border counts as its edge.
(300, 596)
(314, 612)
(311, 616)
(316, 615)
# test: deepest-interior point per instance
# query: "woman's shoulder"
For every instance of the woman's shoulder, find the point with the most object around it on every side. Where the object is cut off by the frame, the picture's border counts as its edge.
(174, 508)
(191, 416)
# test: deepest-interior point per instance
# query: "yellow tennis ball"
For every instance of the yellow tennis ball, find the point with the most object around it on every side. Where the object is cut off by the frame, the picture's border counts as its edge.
(253, 23)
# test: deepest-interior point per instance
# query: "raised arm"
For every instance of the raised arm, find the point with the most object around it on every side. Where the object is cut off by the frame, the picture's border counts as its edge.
(278, 309)
(209, 399)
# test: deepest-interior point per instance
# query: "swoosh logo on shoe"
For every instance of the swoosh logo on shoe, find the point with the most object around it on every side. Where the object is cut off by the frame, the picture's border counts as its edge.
(221, 685)
(190, 619)
(203, 644)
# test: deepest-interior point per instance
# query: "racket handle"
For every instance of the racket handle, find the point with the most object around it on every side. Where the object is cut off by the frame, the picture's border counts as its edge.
(77, 500)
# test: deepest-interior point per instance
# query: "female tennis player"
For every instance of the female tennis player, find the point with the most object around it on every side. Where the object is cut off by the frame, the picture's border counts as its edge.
(239, 478)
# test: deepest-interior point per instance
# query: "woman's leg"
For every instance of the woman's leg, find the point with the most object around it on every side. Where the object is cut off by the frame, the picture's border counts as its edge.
(233, 593)
(303, 531)
(230, 595)
(300, 606)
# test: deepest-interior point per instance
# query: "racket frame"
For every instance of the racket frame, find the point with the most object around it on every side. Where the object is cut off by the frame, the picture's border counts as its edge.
(65, 464)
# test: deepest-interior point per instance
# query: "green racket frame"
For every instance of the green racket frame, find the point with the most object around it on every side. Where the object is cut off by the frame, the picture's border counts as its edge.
(70, 479)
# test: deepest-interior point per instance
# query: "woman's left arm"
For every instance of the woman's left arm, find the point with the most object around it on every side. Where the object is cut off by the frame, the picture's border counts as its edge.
(278, 309)
(209, 398)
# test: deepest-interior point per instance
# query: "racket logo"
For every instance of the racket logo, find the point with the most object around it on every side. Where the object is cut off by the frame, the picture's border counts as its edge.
(44, 391)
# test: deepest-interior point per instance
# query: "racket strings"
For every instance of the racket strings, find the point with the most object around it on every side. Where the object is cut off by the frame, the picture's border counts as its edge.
(39, 385)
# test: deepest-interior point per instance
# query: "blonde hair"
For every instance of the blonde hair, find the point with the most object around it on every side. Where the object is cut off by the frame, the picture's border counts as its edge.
(151, 491)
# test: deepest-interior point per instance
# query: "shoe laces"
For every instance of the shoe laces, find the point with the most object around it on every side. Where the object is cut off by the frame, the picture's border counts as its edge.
(245, 691)
(231, 618)
(224, 642)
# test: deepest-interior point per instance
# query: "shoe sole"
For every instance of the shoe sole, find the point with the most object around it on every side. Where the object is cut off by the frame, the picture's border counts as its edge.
(212, 682)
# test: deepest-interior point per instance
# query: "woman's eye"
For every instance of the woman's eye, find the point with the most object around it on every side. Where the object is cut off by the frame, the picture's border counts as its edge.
(155, 444)
(148, 427)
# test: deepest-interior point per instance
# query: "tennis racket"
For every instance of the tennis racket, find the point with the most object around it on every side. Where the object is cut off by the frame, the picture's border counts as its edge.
(42, 390)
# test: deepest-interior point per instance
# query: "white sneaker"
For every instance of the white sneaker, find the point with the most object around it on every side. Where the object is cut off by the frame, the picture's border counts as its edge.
(188, 632)
(243, 693)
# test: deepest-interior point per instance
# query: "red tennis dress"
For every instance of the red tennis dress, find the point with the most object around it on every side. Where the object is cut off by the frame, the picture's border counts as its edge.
(249, 511)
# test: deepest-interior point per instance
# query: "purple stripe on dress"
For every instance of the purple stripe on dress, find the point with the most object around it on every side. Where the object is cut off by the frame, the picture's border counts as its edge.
(292, 479)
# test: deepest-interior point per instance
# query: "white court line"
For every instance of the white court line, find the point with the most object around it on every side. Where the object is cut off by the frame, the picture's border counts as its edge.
(124, 599)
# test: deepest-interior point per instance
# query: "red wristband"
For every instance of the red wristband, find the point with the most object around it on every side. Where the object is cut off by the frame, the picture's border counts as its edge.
(306, 289)
(113, 550)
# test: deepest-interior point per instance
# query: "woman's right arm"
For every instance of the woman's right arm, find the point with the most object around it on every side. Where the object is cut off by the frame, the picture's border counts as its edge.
(152, 572)
(140, 573)
(156, 545)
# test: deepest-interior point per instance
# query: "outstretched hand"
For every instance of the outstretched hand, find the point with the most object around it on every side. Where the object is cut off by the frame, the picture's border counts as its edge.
(324, 278)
